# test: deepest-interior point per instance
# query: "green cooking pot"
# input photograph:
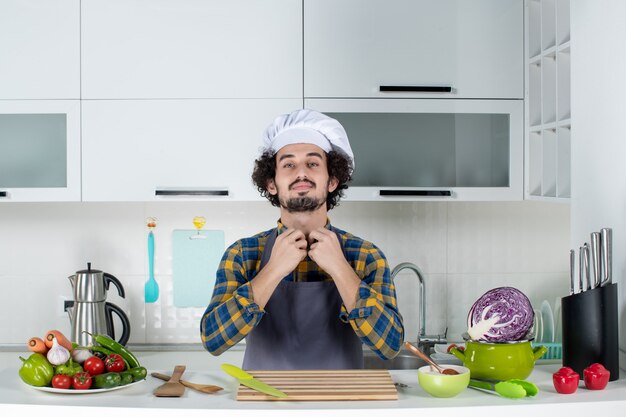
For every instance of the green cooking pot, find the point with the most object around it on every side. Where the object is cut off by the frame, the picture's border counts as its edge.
(499, 361)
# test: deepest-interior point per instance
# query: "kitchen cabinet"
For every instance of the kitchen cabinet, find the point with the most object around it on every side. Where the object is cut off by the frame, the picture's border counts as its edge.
(39, 49)
(352, 48)
(39, 150)
(156, 49)
(548, 103)
(155, 150)
(432, 149)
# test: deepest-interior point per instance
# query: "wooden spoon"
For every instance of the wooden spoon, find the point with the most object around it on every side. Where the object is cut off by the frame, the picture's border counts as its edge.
(416, 351)
(207, 389)
(173, 387)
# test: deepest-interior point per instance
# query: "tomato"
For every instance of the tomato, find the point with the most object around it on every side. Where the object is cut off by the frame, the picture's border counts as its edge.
(596, 376)
(114, 363)
(82, 380)
(565, 380)
(62, 381)
(94, 366)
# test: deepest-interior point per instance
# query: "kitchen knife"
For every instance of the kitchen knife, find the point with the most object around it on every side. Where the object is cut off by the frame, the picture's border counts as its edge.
(248, 380)
(581, 268)
(596, 266)
(586, 266)
(572, 273)
(606, 238)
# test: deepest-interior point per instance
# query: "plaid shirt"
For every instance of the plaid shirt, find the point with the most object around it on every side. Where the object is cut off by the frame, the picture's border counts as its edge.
(232, 312)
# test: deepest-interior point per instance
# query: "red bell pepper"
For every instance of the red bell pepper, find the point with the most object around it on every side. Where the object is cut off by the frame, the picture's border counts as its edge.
(596, 376)
(565, 380)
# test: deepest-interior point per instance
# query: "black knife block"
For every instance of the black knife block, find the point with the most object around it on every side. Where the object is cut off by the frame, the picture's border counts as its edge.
(590, 330)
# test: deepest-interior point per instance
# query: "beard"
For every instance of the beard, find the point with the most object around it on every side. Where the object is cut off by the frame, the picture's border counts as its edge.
(302, 203)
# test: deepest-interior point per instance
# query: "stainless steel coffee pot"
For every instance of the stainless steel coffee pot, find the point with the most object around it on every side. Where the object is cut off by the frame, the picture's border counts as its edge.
(90, 312)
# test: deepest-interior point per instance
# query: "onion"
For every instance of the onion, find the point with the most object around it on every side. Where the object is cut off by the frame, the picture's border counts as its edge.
(502, 314)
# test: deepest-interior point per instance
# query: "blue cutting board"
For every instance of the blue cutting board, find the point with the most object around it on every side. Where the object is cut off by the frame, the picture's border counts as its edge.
(194, 264)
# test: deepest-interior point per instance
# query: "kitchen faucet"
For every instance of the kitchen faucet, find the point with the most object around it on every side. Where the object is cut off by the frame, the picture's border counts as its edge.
(424, 342)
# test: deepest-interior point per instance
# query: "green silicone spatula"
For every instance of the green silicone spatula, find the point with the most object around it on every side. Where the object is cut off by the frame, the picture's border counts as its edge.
(151, 289)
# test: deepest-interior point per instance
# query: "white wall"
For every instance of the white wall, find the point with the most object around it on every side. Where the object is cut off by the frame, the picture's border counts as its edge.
(598, 131)
(464, 249)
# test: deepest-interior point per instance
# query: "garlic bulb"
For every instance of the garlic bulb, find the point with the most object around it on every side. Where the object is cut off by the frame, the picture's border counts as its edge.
(57, 354)
(81, 355)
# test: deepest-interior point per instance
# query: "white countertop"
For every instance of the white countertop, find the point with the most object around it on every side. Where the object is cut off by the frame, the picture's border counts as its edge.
(16, 397)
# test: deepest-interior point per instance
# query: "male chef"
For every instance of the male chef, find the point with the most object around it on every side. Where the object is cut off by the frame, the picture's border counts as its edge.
(305, 294)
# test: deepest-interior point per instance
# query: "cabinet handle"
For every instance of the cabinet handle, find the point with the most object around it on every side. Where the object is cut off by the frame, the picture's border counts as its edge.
(415, 88)
(220, 192)
(3, 194)
(415, 193)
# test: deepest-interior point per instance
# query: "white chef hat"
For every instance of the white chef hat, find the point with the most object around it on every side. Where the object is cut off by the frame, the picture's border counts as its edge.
(307, 126)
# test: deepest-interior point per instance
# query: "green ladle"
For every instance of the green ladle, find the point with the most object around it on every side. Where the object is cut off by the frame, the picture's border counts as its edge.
(512, 388)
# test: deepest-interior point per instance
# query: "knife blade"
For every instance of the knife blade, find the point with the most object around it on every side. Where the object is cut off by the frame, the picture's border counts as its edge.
(249, 381)
(581, 268)
(262, 387)
(606, 238)
(572, 272)
(586, 266)
(596, 266)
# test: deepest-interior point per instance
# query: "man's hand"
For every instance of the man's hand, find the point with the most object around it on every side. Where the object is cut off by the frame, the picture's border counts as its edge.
(326, 251)
(289, 250)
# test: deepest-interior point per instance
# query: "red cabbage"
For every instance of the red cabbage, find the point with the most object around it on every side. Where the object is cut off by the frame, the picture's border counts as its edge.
(511, 312)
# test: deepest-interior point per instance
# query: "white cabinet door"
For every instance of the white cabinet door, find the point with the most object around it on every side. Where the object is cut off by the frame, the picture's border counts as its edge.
(353, 47)
(444, 150)
(191, 49)
(151, 150)
(39, 49)
(39, 150)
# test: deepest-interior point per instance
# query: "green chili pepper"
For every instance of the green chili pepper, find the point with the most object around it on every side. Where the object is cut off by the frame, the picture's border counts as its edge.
(108, 380)
(109, 343)
(101, 349)
(138, 373)
(36, 370)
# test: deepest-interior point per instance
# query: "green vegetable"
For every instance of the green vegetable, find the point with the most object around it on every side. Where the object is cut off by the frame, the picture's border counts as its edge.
(36, 370)
(127, 377)
(138, 373)
(108, 380)
(101, 349)
(121, 350)
(70, 368)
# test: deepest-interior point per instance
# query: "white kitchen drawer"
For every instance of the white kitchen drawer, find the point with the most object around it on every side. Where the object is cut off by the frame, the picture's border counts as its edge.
(39, 150)
(134, 148)
(353, 47)
(39, 49)
(191, 49)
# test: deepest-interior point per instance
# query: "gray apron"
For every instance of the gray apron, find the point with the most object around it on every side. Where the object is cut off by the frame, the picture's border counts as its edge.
(301, 328)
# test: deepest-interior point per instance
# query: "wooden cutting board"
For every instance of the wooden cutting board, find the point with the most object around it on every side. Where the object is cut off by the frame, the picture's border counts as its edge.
(322, 385)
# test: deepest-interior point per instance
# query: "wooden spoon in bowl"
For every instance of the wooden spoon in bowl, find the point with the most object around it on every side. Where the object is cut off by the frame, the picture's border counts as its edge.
(416, 351)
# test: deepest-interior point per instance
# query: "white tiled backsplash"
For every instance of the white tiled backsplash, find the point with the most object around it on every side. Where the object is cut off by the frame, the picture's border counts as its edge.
(464, 249)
